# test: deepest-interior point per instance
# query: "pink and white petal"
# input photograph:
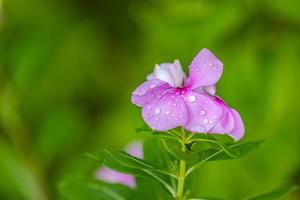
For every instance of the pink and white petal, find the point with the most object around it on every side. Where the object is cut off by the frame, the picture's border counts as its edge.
(165, 112)
(111, 176)
(147, 90)
(226, 123)
(238, 131)
(205, 69)
(203, 111)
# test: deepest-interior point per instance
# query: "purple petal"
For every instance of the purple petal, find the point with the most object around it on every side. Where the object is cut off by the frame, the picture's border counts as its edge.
(111, 176)
(205, 69)
(135, 148)
(165, 111)
(230, 123)
(204, 112)
(226, 123)
(238, 132)
(147, 90)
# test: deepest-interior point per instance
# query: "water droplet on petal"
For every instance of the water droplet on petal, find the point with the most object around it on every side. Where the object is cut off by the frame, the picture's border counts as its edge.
(192, 98)
(205, 121)
(157, 111)
(167, 112)
(149, 107)
(153, 86)
(174, 104)
(202, 112)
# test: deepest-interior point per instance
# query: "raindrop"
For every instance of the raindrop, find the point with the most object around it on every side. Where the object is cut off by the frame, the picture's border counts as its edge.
(209, 64)
(149, 107)
(205, 121)
(192, 98)
(202, 112)
(157, 111)
(167, 112)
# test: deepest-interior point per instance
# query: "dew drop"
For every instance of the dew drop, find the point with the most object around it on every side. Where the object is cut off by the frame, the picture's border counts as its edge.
(202, 112)
(157, 111)
(205, 121)
(167, 112)
(149, 107)
(153, 86)
(174, 104)
(209, 64)
(192, 98)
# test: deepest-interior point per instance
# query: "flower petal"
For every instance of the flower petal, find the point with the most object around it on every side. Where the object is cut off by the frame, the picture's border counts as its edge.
(204, 112)
(226, 123)
(111, 176)
(165, 112)
(238, 131)
(147, 90)
(135, 148)
(205, 69)
(171, 73)
(230, 123)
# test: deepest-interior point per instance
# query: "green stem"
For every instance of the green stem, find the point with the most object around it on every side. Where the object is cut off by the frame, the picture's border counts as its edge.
(181, 174)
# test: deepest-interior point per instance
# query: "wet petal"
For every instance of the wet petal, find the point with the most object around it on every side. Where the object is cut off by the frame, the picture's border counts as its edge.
(205, 69)
(170, 73)
(203, 111)
(111, 176)
(238, 131)
(226, 123)
(230, 123)
(147, 90)
(165, 112)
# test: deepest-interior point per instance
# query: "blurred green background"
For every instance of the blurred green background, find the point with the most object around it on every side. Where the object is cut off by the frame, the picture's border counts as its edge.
(68, 67)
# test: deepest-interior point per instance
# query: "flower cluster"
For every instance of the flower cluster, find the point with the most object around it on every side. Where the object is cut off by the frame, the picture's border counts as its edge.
(169, 99)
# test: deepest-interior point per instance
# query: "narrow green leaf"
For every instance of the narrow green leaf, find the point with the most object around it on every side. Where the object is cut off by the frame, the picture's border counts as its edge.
(216, 154)
(276, 194)
(175, 150)
(123, 162)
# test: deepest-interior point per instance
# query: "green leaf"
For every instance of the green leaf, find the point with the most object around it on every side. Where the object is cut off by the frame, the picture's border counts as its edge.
(172, 134)
(276, 194)
(239, 150)
(202, 138)
(78, 189)
(123, 162)
(221, 154)
(175, 150)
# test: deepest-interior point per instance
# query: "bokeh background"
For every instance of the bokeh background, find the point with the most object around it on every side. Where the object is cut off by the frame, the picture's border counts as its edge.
(68, 67)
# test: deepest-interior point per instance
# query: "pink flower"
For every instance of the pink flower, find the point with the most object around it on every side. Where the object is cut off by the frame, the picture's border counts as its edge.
(169, 99)
(111, 176)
